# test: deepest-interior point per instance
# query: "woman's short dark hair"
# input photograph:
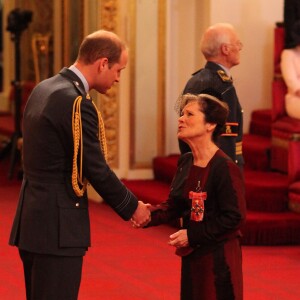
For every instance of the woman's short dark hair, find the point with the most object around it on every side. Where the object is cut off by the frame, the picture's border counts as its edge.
(101, 44)
(214, 110)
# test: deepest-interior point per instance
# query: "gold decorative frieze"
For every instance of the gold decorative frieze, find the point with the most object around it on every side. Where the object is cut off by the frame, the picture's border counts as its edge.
(109, 103)
(40, 49)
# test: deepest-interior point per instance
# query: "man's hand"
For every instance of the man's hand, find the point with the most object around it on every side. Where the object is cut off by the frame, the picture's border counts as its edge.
(141, 216)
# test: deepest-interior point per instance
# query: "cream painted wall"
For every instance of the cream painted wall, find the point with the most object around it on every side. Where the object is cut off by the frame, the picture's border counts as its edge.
(181, 60)
(254, 20)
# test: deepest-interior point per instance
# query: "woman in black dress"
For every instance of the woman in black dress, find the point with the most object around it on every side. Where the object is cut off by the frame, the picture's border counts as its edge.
(207, 193)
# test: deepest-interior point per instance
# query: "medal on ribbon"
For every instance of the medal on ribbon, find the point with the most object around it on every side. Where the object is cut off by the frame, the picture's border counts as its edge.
(198, 197)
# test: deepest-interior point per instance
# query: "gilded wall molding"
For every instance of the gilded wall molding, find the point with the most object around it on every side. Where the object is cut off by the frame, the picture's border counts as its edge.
(72, 29)
(161, 84)
(109, 103)
(42, 23)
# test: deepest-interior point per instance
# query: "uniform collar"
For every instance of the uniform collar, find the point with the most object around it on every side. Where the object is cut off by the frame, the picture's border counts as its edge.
(82, 78)
(227, 71)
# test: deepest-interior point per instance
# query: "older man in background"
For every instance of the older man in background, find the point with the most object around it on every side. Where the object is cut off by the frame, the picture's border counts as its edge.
(221, 48)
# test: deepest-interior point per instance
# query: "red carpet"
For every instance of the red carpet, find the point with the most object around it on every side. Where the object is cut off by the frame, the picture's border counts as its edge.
(129, 264)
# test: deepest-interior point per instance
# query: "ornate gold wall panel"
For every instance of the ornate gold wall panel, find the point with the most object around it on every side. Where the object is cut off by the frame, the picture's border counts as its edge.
(74, 18)
(42, 23)
(161, 75)
(41, 55)
(72, 29)
(109, 103)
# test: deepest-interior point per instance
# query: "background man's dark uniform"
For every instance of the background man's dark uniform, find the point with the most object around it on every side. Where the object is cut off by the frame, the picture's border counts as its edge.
(213, 77)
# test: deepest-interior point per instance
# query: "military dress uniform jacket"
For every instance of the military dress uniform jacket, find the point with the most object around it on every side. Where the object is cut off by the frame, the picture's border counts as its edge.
(212, 76)
(291, 15)
(50, 218)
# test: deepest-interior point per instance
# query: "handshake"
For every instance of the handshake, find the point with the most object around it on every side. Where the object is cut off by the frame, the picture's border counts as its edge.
(142, 215)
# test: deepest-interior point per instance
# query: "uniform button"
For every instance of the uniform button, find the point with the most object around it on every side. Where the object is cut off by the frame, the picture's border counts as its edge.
(77, 204)
(236, 161)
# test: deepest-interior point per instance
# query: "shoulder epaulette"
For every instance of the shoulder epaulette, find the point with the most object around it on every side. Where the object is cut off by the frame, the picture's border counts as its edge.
(197, 71)
(224, 76)
(80, 89)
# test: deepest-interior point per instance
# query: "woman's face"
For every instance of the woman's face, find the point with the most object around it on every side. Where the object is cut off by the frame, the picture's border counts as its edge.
(192, 122)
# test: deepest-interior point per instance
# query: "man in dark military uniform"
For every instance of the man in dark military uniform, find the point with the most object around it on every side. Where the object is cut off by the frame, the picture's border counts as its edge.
(291, 14)
(62, 152)
(221, 47)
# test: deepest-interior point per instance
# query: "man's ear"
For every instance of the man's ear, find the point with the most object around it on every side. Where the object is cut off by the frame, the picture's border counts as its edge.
(103, 62)
(224, 49)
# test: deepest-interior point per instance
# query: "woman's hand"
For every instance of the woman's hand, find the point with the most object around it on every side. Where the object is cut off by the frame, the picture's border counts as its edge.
(179, 239)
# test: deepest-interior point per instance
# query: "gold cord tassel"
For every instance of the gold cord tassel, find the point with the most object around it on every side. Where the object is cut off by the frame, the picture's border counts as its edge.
(79, 184)
(102, 137)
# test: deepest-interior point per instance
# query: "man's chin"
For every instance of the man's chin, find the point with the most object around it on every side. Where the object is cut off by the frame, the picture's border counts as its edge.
(102, 91)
